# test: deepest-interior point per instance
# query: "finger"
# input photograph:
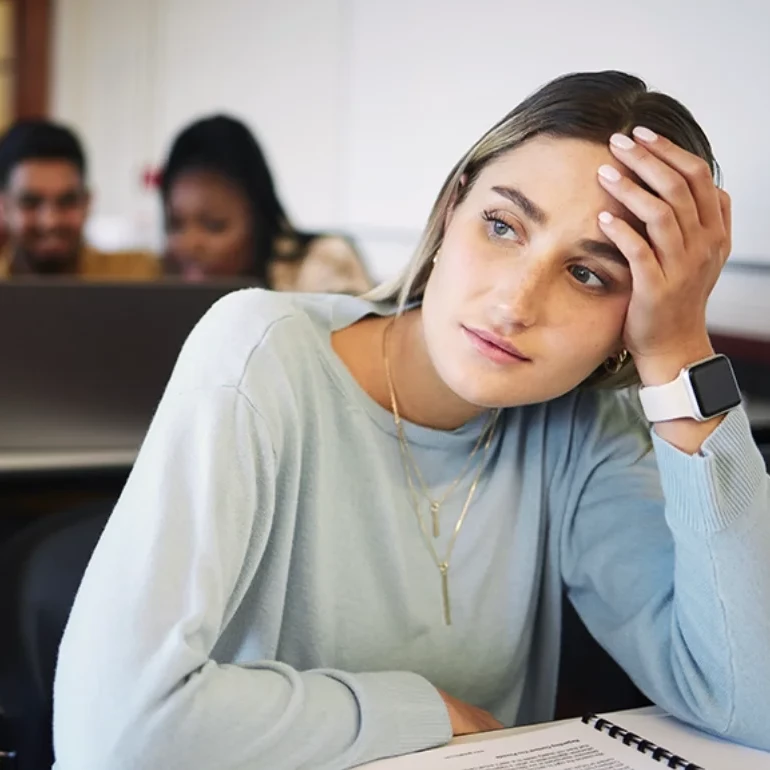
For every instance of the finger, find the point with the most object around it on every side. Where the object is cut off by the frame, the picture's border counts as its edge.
(726, 211)
(695, 170)
(645, 268)
(661, 177)
(662, 226)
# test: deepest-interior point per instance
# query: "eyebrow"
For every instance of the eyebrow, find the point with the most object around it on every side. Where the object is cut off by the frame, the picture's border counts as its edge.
(529, 207)
(604, 250)
(38, 197)
(599, 249)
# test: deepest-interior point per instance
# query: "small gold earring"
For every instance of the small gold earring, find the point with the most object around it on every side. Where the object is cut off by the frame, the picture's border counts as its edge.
(615, 363)
(435, 258)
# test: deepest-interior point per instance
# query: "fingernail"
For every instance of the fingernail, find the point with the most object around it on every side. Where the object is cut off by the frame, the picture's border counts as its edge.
(622, 141)
(640, 132)
(610, 173)
(606, 218)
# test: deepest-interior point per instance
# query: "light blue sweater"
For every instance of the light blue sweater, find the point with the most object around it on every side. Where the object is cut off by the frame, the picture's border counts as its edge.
(262, 596)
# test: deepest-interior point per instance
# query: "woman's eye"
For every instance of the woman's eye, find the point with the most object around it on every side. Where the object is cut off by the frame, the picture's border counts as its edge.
(586, 277)
(501, 229)
(498, 228)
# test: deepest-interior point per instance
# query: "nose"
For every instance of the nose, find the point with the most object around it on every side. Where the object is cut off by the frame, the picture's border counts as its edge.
(188, 245)
(522, 296)
(51, 216)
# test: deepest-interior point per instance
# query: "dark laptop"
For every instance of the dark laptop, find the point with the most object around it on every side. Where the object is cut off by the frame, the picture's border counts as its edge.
(83, 365)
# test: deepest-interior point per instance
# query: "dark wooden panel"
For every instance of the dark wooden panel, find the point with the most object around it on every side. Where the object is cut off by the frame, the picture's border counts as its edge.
(743, 348)
(32, 45)
(751, 361)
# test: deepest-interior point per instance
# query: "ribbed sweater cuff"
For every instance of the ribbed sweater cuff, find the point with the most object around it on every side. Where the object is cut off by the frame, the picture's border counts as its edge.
(403, 708)
(707, 492)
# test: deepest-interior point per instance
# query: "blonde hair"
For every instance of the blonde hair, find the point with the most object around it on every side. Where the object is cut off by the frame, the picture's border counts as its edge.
(590, 106)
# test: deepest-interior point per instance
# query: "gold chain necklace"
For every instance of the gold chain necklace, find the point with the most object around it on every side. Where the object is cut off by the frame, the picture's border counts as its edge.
(407, 459)
(434, 505)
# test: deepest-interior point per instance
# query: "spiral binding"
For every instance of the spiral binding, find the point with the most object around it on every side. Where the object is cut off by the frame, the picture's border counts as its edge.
(658, 753)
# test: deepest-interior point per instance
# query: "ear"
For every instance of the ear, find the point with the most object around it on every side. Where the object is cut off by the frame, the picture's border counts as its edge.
(453, 201)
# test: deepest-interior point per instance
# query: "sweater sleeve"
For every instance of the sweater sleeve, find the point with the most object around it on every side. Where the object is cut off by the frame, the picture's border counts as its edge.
(666, 557)
(138, 685)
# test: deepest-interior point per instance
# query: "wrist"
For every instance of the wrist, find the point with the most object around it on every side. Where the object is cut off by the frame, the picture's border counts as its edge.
(665, 367)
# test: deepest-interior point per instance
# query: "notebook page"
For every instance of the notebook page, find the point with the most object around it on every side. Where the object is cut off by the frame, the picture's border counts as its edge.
(566, 746)
(705, 750)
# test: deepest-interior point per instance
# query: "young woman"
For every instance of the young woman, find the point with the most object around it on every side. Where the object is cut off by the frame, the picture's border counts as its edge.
(347, 532)
(223, 218)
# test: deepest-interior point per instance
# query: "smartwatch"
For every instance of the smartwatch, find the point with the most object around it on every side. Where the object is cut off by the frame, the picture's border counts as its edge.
(703, 390)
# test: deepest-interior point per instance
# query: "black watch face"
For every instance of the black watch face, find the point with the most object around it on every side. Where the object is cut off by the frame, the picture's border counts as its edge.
(714, 385)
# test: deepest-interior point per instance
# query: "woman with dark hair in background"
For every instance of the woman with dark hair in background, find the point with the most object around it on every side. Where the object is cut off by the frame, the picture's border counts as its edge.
(223, 218)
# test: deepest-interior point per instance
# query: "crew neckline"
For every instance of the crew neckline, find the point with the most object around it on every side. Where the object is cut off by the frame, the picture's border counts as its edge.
(344, 312)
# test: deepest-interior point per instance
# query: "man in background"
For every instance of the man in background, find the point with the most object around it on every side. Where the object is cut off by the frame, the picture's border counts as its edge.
(44, 202)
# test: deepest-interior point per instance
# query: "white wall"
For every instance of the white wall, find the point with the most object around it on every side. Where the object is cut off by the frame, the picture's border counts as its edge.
(275, 63)
(364, 105)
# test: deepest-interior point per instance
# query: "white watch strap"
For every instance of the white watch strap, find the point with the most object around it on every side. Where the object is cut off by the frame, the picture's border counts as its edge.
(671, 401)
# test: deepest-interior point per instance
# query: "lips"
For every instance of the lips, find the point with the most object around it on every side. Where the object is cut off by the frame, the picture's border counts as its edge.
(494, 346)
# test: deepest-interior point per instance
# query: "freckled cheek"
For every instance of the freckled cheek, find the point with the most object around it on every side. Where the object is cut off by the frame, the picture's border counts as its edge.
(616, 310)
(462, 254)
(593, 325)
(601, 335)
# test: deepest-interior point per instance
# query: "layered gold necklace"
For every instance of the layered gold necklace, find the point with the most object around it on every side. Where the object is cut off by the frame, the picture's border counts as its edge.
(412, 473)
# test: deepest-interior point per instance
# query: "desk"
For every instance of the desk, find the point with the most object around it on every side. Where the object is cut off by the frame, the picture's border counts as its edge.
(738, 305)
(615, 716)
(518, 730)
(739, 323)
(758, 411)
(39, 484)
(651, 723)
(35, 462)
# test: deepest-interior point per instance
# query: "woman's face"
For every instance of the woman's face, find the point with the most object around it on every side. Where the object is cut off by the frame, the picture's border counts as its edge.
(524, 264)
(209, 228)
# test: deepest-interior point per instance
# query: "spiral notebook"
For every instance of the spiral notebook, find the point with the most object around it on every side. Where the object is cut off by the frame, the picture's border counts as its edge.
(641, 740)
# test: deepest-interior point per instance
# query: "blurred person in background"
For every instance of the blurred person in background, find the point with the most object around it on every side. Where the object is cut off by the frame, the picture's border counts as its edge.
(45, 201)
(223, 218)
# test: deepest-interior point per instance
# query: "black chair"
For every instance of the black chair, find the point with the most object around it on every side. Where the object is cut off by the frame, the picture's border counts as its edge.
(590, 681)
(762, 437)
(40, 571)
(7, 754)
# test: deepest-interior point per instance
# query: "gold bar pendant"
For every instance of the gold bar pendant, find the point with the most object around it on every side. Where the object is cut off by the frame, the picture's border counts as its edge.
(444, 569)
(434, 508)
